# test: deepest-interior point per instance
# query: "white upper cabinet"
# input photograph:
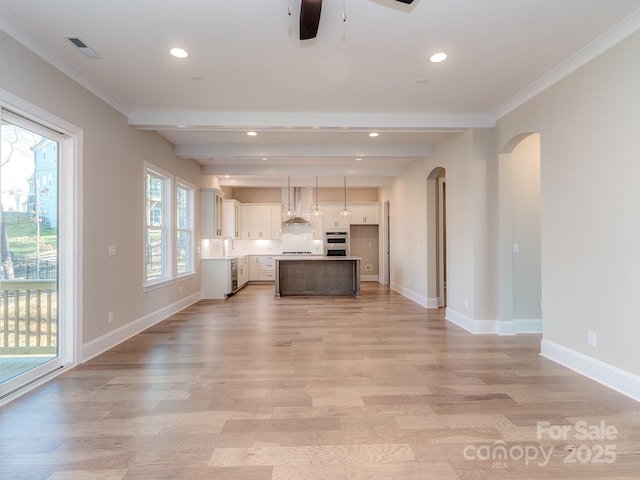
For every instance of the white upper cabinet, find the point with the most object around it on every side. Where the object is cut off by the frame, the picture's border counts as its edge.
(244, 221)
(276, 222)
(230, 219)
(365, 214)
(259, 221)
(210, 213)
(332, 216)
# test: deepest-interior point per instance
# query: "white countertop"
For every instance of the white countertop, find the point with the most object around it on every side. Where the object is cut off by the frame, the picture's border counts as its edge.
(314, 257)
(274, 255)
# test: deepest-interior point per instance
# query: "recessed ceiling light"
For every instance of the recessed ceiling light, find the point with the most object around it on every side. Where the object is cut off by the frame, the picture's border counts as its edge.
(227, 176)
(438, 57)
(358, 159)
(374, 134)
(179, 52)
(265, 159)
(252, 134)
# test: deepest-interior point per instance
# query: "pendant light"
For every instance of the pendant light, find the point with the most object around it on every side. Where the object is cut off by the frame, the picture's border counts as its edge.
(346, 211)
(287, 212)
(316, 208)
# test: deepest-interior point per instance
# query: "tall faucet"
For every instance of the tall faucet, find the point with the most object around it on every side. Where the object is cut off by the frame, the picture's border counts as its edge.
(224, 242)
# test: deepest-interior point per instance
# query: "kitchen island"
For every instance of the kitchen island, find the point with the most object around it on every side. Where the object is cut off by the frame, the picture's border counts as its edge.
(317, 275)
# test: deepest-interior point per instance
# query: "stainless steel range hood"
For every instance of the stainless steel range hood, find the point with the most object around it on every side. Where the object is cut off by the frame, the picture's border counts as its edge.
(297, 219)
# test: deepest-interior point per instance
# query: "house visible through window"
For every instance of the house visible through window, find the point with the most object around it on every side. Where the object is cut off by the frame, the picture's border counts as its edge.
(158, 238)
(184, 228)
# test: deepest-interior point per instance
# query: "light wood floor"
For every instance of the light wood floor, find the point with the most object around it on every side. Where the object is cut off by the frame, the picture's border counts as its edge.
(258, 388)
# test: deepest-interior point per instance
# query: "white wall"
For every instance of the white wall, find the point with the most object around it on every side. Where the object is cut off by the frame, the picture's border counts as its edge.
(590, 230)
(113, 185)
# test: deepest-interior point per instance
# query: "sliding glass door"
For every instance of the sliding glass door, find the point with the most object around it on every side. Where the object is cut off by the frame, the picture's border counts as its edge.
(30, 327)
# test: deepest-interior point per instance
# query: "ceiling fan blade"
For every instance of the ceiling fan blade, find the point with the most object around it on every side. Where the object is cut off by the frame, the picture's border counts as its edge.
(405, 1)
(310, 18)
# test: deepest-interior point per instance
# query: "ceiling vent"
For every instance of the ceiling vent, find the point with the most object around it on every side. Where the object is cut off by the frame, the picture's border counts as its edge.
(83, 47)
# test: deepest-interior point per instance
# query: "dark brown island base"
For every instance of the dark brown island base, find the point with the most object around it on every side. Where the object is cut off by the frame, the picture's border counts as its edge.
(317, 275)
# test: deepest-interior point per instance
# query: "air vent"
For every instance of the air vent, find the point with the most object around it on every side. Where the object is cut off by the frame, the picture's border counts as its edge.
(83, 47)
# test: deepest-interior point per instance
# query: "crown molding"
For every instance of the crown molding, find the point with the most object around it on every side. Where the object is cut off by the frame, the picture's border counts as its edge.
(47, 53)
(604, 42)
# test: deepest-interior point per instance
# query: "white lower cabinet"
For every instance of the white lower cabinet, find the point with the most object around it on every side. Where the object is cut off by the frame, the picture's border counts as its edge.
(262, 268)
(266, 269)
(243, 271)
(215, 278)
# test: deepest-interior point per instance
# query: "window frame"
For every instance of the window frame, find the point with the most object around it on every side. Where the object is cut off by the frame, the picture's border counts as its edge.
(190, 228)
(165, 228)
(70, 240)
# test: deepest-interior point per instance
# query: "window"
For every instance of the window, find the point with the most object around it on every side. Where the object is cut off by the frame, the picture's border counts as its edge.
(158, 238)
(184, 228)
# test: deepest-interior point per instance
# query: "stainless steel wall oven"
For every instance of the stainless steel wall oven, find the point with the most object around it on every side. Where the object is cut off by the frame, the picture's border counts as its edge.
(336, 243)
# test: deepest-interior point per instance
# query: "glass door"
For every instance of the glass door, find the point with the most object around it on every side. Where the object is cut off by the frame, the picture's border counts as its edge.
(30, 330)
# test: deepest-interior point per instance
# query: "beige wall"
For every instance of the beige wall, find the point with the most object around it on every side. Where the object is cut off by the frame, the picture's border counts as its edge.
(255, 195)
(364, 242)
(470, 257)
(277, 195)
(113, 186)
(353, 195)
(525, 221)
(588, 125)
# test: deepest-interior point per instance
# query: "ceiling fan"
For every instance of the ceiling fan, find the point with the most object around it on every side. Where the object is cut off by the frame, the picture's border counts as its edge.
(310, 17)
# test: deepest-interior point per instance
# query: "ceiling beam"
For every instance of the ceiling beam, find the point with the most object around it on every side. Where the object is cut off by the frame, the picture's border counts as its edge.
(302, 180)
(282, 121)
(347, 169)
(220, 151)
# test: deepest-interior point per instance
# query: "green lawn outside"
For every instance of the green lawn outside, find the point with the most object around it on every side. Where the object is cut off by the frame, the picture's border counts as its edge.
(21, 232)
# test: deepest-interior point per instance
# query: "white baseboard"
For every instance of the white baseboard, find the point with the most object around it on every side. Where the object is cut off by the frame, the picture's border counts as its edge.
(369, 278)
(105, 342)
(433, 302)
(496, 327)
(410, 294)
(518, 326)
(469, 324)
(615, 378)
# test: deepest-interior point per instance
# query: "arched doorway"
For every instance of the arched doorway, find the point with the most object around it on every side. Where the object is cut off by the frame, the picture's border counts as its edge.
(520, 236)
(437, 238)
